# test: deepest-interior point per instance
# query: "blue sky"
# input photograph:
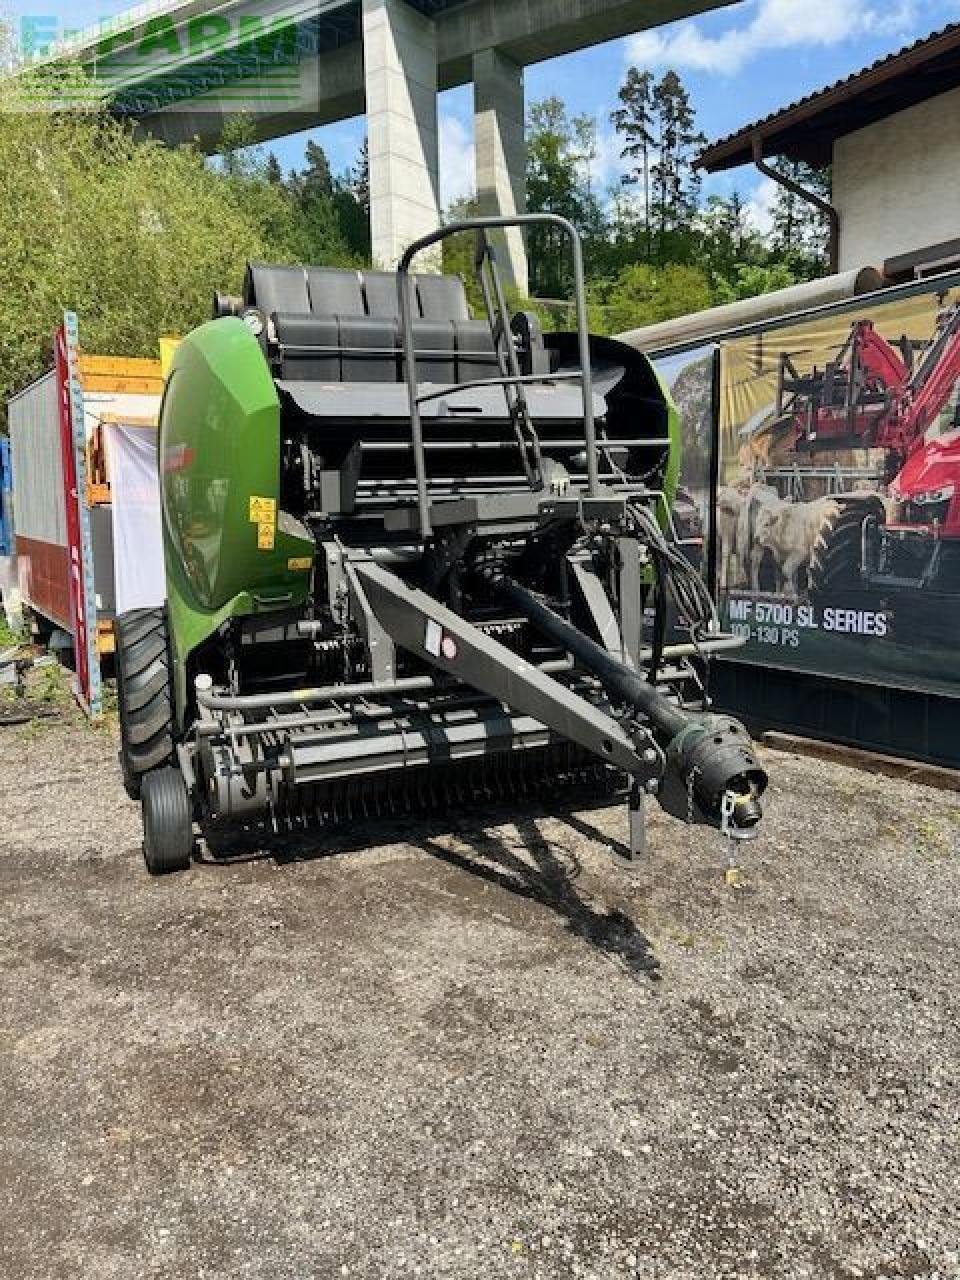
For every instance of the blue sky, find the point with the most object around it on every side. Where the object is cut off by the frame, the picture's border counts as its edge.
(740, 63)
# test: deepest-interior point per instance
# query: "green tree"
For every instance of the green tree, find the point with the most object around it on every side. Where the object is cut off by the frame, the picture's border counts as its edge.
(560, 151)
(459, 256)
(312, 189)
(676, 183)
(749, 280)
(591, 216)
(726, 237)
(459, 251)
(657, 122)
(316, 180)
(336, 208)
(352, 199)
(238, 153)
(625, 241)
(642, 294)
(800, 230)
(132, 235)
(357, 181)
(634, 120)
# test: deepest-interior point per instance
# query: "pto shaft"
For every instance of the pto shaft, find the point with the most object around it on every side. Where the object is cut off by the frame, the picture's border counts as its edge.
(711, 755)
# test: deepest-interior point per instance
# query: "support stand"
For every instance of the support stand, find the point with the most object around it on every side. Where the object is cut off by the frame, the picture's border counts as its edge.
(638, 820)
(632, 859)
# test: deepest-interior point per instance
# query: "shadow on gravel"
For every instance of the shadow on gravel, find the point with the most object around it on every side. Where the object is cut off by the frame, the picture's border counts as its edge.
(543, 878)
(533, 869)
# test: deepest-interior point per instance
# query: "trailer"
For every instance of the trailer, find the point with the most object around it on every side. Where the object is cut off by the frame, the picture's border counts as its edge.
(63, 499)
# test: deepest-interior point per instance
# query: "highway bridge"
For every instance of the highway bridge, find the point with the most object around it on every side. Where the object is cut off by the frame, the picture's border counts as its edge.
(182, 67)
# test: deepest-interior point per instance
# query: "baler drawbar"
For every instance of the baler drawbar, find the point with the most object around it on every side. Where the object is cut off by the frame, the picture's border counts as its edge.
(414, 558)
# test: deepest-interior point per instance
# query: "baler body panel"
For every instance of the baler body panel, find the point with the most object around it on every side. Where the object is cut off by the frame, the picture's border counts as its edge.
(226, 553)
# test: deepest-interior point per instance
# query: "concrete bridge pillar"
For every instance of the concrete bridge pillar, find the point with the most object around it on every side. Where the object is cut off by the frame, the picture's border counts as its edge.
(502, 153)
(400, 70)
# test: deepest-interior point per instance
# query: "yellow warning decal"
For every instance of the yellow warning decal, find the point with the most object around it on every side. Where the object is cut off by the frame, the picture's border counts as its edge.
(263, 511)
(300, 564)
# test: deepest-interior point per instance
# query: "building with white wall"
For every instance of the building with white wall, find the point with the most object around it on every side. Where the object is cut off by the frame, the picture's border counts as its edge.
(891, 135)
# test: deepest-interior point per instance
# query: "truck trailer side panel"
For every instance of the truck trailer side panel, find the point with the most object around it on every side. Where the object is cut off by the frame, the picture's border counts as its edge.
(42, 543)
(39, 503)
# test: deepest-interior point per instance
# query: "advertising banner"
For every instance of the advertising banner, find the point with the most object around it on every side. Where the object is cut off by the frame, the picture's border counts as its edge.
(838, 506)
(691, 378)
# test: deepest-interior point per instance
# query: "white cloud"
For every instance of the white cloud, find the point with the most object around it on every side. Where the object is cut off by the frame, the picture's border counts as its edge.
(457, 163)
(760, 205)
(607, 164)
(774, 24)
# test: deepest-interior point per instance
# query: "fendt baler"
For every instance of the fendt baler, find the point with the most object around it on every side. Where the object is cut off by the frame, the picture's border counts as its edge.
(409, 559)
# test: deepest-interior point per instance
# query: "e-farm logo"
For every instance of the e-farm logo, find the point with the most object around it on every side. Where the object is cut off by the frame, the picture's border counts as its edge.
(147, 60)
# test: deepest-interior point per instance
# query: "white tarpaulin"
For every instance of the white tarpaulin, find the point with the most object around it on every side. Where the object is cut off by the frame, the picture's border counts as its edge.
(10, 593)
(137, 535)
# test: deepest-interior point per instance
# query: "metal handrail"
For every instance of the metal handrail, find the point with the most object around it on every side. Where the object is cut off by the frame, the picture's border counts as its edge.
(409, 352)
(498, 318)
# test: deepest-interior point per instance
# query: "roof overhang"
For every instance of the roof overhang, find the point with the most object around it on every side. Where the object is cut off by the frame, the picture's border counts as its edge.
(807, 129)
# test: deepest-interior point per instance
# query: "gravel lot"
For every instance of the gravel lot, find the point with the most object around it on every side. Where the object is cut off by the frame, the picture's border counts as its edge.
(473, 1047)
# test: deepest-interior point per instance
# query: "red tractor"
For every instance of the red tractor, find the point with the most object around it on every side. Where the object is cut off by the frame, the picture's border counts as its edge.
(882, 395)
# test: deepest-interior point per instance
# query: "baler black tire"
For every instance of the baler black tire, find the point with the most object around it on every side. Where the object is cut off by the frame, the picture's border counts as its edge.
(836, 561)
(144, 695)
(167, 822)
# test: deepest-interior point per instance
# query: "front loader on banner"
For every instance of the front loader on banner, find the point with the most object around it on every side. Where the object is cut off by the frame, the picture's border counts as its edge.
(901, 398)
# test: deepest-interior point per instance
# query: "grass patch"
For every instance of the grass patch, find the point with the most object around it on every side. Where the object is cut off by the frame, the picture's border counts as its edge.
(52, 687)
(110, 719)
(9, 638)
(933, 840)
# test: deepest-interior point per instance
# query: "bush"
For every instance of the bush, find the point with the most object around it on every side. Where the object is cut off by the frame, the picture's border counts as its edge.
(132, 235)
(642, 294)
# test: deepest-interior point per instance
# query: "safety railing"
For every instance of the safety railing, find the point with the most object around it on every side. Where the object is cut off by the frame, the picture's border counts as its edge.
(511, 379)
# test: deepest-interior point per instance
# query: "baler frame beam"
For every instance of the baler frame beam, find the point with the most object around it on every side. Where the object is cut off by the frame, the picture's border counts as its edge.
(655, 741)
(435, 634)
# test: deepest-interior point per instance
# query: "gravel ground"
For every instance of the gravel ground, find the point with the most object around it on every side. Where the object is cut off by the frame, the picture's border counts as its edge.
(473, 1047)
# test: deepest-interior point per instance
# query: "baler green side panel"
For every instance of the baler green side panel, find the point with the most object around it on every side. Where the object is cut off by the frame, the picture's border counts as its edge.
(219, 452)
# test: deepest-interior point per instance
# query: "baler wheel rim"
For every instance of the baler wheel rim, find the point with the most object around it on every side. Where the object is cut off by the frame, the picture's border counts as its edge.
(168, 838)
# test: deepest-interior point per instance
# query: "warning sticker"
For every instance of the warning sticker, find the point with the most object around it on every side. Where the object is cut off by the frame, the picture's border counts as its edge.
(263, 511)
